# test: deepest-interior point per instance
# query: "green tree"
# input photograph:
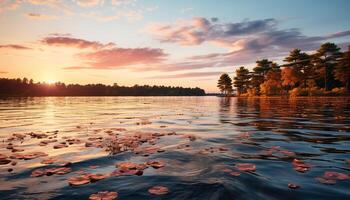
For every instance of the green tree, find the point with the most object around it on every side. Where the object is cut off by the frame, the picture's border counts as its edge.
(225, 84)
(325, 60)
(342, 69)
(259, 72)
(262, 66)
(241, 80)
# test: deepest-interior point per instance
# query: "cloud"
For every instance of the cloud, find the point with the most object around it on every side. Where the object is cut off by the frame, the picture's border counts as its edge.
(6, 5)
(66, 41)
(88, 3)
(119, 57)
(3, 72)
(14, 46)
(106, 56)
(245, 35)
(37, 16)
(55, 4)
(245, 41)
(199, 29)
(187, 75)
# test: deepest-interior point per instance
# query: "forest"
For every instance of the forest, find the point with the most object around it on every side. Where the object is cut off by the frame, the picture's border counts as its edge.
(25, 87)
(323, 73)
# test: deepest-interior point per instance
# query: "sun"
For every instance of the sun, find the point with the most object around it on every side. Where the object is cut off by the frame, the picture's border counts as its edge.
(50, 82)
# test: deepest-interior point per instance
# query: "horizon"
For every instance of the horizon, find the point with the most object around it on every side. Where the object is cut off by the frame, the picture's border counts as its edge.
(133, 42)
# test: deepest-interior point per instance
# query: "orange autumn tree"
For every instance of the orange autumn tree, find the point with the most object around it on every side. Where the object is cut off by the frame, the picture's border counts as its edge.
(324, 73)
(290, 78)
(273, 83)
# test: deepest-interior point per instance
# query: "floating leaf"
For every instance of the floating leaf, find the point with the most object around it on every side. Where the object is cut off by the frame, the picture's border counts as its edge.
(127, 172)
(158, 190)
(38, 173)
(50, 171)
(325, 181)
(48, 161)
(293, 186)
(235, 173)
(65, 164)
(247, 167)
(300, 166)
(155, 164)
(79, 180)
(28, 156)
(131, 166)
(336, 175)
(97, 177)
(4, 161)
(60, 146)
(104, 195)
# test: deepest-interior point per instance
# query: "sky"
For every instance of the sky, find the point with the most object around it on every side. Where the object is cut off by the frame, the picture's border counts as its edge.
(185, 43)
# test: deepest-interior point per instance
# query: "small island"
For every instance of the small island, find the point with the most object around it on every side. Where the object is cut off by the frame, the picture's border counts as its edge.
(323, 73)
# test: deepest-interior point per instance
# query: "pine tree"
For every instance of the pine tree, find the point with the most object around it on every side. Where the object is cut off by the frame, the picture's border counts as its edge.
(241, 80)
(342, 70)
(225, 84)
(325, 60)
(300, 62)
(259, 72)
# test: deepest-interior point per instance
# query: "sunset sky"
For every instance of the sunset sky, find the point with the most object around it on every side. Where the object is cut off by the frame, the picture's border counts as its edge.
(162, 42)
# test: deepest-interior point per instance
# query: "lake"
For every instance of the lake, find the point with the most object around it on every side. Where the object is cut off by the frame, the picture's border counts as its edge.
(201, 147)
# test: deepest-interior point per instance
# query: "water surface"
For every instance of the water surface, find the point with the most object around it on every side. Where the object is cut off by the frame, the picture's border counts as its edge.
(202, 139)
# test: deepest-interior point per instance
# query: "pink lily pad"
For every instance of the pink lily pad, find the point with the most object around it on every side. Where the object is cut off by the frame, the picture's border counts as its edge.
(158, 190)
(79, 180)
(104, 195)
(247, 167)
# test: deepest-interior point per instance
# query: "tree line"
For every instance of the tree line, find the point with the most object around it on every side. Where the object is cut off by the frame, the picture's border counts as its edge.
(326, 72)
(25, 87)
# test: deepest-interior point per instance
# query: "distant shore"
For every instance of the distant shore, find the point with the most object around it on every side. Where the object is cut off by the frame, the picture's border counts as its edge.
(25, 87)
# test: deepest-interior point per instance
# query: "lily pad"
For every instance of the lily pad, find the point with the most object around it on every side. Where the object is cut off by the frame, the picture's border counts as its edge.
(104, 195)
(247, 167)
(158, 190)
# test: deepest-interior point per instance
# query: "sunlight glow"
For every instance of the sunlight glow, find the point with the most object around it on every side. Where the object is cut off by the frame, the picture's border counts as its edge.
(50, 82)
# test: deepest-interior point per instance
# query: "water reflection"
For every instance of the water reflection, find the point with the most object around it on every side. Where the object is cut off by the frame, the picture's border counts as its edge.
(200, 140)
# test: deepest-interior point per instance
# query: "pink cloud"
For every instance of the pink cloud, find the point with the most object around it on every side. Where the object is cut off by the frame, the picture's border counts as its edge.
(6, 5)
(245, 41)
(37, 16)
(65, 41)
(106, 56)
(55, 4)
(119, 57)
(14, 46)
(190, 32)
